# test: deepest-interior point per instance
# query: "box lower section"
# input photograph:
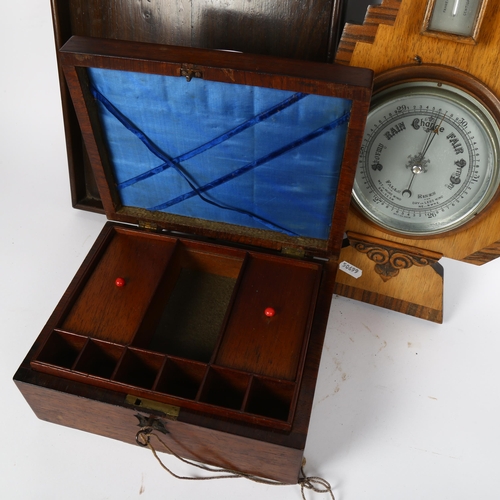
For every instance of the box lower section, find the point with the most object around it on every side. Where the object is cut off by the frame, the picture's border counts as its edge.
(240, 383)
(189, 440)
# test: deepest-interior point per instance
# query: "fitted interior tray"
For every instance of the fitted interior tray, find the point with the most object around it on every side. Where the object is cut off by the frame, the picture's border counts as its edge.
(188, 325)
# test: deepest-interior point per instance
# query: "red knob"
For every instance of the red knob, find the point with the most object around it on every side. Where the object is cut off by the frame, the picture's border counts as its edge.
(269, 312)
(119, 282)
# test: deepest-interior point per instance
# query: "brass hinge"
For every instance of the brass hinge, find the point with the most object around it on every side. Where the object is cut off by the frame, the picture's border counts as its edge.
(189, 72)
(171, 412)
(299, 253)
(149, 226)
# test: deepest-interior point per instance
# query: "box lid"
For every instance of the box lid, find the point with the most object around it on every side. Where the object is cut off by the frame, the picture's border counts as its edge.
(244, 148)
(308, 30)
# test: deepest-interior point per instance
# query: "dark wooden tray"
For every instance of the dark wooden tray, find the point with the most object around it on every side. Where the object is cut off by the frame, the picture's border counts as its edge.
(189, 326)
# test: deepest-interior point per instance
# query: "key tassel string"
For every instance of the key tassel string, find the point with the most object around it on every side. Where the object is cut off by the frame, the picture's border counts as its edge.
(316, 484)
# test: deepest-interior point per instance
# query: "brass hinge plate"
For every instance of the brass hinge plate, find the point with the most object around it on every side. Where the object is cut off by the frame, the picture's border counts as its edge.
(299, 253)
(149, 226)
(171, 412)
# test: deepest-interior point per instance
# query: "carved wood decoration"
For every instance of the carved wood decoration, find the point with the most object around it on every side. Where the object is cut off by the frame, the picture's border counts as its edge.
(391, 42)
(422, 286)
(389, 261)
(404, 279)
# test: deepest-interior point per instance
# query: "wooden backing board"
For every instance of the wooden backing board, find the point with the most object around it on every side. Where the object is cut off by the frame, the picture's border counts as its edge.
(395, 277)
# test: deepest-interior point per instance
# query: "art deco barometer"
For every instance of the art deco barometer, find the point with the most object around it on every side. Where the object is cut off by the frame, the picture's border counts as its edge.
(428, 174)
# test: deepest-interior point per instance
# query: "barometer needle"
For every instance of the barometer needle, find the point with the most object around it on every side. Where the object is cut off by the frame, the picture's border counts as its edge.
(432, 134)
(408, 190)
(418, 161)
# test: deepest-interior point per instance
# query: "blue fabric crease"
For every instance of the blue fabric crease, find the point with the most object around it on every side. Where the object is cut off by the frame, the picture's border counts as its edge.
(244, 155)
(254, 164)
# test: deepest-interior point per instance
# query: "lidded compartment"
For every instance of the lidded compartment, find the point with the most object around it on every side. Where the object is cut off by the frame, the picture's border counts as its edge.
(218, 145)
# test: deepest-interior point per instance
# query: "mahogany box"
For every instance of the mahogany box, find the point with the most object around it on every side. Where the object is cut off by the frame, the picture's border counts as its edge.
(202, 306)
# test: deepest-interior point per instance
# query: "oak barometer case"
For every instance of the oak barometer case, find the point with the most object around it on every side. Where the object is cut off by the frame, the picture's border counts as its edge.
(428, 174)
(203, 304)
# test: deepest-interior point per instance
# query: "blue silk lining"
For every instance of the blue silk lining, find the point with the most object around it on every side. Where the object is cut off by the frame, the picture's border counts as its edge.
(250, 156)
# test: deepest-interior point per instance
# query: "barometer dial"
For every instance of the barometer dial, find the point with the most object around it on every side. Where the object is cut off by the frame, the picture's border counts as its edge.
(429, 159)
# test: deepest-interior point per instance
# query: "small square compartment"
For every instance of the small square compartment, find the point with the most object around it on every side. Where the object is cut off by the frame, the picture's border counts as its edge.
(139, 368)
(270, 398)
(99, 359)
(181, 378)
(225, 388)
(61, 349)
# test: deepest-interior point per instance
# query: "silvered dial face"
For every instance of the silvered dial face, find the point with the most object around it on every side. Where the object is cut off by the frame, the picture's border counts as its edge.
(429, 159)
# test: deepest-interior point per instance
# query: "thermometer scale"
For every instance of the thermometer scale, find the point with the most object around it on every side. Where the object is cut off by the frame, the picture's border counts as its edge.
(460, 18)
